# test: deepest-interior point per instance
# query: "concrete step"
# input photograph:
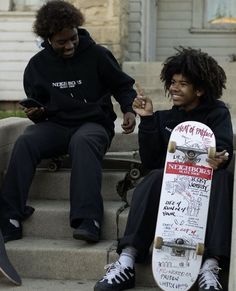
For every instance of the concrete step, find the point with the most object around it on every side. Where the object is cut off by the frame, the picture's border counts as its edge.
(68, 260)
(47, 185)
(56, 285)
(51, 220)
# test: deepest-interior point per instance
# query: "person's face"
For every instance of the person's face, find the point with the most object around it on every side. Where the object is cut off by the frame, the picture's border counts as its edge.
(65, 42)
(183, 93)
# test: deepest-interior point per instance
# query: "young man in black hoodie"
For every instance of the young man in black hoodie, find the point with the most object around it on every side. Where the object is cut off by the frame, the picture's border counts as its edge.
(73, 78)
(194, 82)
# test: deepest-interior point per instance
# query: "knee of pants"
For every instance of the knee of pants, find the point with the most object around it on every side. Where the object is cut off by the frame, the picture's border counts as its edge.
(85, 143)
(79, 142)
(155, 176)
(25, 141)
(150, 185)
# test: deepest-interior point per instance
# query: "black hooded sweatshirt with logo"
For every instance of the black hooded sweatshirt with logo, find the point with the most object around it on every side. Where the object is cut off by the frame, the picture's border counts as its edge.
(155, 130)
(79, 89)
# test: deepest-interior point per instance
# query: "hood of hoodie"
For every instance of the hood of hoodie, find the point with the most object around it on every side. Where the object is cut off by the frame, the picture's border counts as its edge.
(85, 41)
(200, 113)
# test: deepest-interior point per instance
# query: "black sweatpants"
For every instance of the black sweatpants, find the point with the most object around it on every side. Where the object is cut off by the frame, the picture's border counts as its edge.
(86, 145)
(141, 224)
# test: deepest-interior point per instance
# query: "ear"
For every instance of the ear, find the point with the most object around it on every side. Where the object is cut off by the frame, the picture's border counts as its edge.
(199, 92)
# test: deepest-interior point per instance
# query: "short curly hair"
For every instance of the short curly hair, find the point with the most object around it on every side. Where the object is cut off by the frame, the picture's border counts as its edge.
(199, 68)
(55, 15)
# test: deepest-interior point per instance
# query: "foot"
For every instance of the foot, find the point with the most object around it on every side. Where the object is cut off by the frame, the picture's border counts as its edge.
(208, 276)
(11, 230)
(88, 230)
(117, 277)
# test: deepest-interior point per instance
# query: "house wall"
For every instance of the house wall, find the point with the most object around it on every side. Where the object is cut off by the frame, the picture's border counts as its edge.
(134, 29)
(107, 21)
(174, 21)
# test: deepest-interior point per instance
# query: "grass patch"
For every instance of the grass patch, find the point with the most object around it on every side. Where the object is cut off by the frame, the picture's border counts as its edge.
(11, 113)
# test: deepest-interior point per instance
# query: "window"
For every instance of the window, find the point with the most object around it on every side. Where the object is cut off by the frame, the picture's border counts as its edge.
(213, 16)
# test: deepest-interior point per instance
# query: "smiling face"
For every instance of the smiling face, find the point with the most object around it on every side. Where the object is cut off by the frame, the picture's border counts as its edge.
(65, 42)
(183, 93)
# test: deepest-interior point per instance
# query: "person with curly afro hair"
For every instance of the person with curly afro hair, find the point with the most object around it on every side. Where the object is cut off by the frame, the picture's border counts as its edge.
(69, 85)
(194, 82)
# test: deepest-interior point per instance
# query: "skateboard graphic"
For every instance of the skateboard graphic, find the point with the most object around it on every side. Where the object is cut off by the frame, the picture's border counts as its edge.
(6, 267)
(182, 215)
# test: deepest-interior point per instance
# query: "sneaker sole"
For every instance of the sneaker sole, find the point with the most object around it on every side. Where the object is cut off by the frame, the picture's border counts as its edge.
(7, 238)
(116, 288)
(84, 235)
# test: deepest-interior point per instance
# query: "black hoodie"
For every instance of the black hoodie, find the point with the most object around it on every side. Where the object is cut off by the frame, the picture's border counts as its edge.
(155, 130)
(79, 89)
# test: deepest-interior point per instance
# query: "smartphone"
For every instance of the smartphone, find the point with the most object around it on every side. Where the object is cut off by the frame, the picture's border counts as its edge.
(30, 102)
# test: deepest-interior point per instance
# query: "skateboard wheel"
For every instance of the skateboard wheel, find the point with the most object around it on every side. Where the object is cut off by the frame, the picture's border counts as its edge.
(200, 249)
(172, 147)
(158, 242)
(134, 173)
(211, 152)
(53, 166)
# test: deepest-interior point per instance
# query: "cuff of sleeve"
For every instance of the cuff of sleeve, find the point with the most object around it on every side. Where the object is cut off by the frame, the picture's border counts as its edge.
(147, 122)
(128, 109)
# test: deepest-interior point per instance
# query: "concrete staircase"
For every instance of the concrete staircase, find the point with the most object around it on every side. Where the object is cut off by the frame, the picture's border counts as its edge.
(48, 257)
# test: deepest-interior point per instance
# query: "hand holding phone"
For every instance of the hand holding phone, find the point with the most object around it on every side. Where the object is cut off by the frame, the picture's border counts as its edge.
(30, 102)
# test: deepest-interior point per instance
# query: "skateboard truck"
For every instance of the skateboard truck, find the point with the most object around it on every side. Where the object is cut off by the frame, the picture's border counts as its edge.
(130, 180)
(190, 153)
(179, 246)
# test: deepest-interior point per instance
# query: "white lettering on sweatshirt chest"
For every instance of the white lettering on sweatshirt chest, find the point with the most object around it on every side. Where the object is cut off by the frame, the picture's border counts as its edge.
(67, 84)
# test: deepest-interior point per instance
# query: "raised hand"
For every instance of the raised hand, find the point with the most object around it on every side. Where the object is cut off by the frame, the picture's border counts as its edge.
(142, 105)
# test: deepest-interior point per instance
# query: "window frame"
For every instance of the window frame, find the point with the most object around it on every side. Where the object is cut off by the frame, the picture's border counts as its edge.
(199, 22)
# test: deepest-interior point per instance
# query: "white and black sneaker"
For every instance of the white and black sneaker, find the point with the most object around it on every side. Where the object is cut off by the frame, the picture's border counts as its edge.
(117, 277)
(208, 276)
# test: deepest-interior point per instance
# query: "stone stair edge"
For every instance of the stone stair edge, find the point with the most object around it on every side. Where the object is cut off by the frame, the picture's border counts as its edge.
(68, 259)
(29, 284)
(49, 214)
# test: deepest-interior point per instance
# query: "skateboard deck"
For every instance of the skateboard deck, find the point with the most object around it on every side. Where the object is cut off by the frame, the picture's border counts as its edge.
(182, 215)
(6, 268)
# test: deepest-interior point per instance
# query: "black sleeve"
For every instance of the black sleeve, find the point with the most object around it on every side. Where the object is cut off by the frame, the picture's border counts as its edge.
(119, 83)
(31, 91)
(221, 125)
(152, 148)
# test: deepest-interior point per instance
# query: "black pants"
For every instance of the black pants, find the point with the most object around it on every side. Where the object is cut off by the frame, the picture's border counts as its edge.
(86, 145)
(140, 228)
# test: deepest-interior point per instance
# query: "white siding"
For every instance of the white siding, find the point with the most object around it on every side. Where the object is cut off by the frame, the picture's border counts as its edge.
(174, 21)
(134, 28)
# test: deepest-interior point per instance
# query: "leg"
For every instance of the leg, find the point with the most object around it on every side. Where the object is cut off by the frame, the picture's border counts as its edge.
(143, 213)
(87, 148)
(218, 234)
(139, 234)
(38, 141)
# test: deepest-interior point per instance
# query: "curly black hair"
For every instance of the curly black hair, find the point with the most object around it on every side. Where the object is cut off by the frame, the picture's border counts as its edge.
(55, 15)
(201, 70)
